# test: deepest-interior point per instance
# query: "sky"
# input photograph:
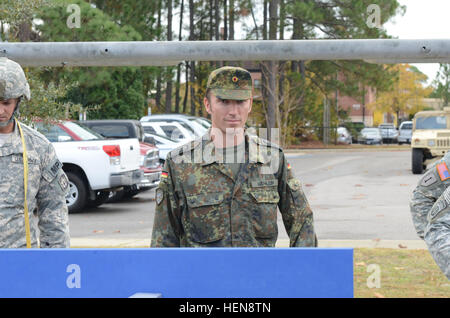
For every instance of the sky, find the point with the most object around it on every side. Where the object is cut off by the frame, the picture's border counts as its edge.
(422, 20)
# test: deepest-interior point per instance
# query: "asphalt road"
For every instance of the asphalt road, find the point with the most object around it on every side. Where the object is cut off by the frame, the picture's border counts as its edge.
(354, 194)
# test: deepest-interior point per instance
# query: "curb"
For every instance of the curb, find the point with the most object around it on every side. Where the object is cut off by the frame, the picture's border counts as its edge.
(145, 243)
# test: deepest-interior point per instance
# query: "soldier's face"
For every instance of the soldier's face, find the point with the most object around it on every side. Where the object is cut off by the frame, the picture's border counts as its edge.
(227, 113)
(7, 107)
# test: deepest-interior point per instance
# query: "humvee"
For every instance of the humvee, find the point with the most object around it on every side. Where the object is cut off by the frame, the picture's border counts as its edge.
(430, 138)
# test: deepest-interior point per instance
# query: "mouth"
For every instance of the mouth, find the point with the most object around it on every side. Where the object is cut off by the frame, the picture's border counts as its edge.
(233, 121)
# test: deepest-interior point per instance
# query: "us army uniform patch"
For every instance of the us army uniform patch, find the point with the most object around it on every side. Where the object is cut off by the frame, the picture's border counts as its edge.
(159, 196)
(428, 179)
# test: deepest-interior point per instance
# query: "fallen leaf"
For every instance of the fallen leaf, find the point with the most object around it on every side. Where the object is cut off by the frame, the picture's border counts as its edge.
(358, 185)
(309, 185)
(378, 295)
(377, 240)
(404, 184)
(402, 246)
(360, 264)
(98, 231)
(399, 268)
(380, 215)
(117, 231)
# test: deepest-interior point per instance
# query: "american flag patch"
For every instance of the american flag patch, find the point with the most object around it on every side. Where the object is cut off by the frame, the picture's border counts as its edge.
(164, 174)
(289, 166)
(442, 169)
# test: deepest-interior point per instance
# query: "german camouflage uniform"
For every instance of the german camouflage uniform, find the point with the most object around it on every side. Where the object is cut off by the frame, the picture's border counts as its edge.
(47, 187)
(200, 203)
(430, 209)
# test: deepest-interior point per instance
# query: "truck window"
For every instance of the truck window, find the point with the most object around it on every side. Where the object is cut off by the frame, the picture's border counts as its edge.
(112, 131)
(431, 122)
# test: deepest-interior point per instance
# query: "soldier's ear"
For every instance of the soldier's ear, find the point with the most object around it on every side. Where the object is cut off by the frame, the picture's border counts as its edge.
(207, 105)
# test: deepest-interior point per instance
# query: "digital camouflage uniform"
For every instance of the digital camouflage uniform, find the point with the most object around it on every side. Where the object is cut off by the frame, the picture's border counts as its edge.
(200, 202)
(430, 209)
(47, 183)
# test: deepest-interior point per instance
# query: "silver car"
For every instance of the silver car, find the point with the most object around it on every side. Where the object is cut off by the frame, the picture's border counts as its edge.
(389, 133)
(370, 136)
(405, 132)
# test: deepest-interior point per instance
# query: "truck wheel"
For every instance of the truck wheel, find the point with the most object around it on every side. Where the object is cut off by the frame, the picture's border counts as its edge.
(417, 161)
(100, 198)
(76, 199)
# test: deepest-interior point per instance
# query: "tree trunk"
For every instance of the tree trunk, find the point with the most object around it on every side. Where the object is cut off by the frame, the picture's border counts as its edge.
(169, 38)
(225, 20)
(158, 77)
(177, 88)
(192, 70)
(272, 66)
(231, 19)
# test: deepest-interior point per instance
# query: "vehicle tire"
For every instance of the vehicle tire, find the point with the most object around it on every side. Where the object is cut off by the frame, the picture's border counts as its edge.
(76, 199)
(100, 198)
(417, 161)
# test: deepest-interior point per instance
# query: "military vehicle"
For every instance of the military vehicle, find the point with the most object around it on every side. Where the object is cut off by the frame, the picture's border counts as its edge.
(430, 138)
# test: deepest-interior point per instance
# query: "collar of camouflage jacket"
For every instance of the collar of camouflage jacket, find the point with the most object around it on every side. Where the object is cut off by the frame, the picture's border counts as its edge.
(13, 144)
(259, 150)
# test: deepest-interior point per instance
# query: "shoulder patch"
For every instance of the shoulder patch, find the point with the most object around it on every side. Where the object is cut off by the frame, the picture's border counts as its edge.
(159, 196)
(428, 179)
(442, 170)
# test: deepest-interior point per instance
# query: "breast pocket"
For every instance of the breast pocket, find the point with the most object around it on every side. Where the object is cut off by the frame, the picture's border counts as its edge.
(205, 217)
(265, 198)
(12, 179)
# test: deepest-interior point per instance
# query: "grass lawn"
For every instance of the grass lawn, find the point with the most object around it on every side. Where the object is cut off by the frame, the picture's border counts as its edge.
(403, 273)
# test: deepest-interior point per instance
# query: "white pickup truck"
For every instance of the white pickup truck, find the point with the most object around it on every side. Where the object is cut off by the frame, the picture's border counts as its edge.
(95, 166)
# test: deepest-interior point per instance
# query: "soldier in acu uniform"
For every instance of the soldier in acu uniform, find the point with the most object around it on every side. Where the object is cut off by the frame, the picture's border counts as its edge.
(430, 209)
(38, 205)
(223, 189)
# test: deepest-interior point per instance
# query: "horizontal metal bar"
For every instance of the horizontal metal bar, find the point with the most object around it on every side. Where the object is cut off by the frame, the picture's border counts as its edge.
(170, 53)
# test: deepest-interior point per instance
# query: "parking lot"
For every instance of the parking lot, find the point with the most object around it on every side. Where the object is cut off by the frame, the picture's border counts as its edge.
(356, 194)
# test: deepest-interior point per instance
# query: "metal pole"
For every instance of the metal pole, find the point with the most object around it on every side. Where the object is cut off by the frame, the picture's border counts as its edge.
(144, 53)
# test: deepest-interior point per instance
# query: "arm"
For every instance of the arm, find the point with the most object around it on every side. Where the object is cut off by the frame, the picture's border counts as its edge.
(437, 232)
(166, 225)
(428, 190)
(51, 203)
(295, 210)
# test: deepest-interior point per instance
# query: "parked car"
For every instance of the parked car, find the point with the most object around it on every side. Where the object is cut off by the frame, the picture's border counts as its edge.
(370, 136)
(95, 166)
(344, 136)
(195, 125)
(405, 132)
(354, 128)
(165, 145)
(172, 130)
(389, 133)
(149, 160)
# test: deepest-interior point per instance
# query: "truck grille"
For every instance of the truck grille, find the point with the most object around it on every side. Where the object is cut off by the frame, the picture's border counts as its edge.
(151, 160)
(443, 143)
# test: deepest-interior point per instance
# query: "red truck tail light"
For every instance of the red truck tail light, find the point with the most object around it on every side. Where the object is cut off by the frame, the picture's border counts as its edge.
(113, 151)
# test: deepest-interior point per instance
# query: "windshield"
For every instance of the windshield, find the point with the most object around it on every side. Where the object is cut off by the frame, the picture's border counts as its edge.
(54, 133)
(82, 131)
(431, 122)
(407, 126)
(370, 131)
